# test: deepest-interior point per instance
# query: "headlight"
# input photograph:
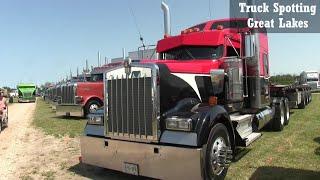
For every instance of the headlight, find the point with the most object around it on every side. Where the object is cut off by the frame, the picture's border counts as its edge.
(79, 99)
(95, 120)
(179, 124)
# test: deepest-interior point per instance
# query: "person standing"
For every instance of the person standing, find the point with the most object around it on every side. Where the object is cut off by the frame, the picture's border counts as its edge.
(3, 110)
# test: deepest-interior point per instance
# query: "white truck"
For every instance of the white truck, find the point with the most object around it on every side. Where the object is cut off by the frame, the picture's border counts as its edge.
(310, 78)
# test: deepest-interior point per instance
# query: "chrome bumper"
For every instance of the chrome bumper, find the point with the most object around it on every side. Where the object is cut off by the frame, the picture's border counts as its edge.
(69, 110)
(156, 161)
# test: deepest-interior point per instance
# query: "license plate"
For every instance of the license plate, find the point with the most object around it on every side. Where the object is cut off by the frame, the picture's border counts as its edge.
(131, 168)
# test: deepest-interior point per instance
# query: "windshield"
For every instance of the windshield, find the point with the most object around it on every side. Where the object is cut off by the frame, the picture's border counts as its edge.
(96, 77)
(194, 52)
(312, 79)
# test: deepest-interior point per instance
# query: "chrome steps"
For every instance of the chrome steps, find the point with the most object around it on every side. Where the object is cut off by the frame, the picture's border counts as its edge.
(244, 128)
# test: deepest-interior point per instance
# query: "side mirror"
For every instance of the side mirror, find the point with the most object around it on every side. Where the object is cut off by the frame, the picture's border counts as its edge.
(217, 80)
(249, 43)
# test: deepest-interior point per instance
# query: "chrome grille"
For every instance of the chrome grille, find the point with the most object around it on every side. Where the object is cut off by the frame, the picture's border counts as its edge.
(132, 106)
(27, 94)
(67, 94)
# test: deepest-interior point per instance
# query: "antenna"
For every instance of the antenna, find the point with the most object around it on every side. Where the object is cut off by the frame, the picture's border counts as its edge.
(136, 24)
(210, 9)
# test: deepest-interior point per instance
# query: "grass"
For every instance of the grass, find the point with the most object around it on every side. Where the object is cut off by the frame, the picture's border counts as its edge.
(48, 175)
(46, 119)
(293, 153)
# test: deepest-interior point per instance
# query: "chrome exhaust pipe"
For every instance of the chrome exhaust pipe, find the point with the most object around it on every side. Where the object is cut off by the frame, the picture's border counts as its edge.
(166, 18)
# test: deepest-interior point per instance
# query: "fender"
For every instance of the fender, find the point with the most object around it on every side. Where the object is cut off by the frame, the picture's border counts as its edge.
(208, 118)
(88, 98)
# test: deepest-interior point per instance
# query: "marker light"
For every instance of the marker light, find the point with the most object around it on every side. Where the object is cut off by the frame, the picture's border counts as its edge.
(213, 100)
(219, 27)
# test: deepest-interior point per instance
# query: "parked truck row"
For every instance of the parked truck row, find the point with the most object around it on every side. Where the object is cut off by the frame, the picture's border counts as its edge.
(182, 115)
(79, 96)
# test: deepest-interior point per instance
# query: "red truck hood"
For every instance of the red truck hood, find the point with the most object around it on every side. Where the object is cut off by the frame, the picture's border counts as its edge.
(188, 66)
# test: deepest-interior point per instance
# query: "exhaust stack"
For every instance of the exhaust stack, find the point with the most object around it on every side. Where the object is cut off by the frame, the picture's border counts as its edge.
(166, 18)
(123, 53)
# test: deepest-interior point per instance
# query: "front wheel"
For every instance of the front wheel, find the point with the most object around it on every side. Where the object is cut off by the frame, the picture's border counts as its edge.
(218, 153)
(92, 106)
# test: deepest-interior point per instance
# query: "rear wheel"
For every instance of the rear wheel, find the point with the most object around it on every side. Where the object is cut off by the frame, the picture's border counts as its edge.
(279, 117)
(286, 112)
(218, 153)
(302, 104)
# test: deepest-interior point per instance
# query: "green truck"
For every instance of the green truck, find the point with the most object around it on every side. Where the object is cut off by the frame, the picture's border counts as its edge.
(27, 92)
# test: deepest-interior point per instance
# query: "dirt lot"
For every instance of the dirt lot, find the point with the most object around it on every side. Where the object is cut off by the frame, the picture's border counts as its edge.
(27, 153)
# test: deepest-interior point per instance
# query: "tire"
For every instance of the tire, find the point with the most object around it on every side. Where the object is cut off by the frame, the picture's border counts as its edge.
(310, 97)
(91, 106)
(286, 112)
(278, 120)
(7, 119)
(1, 125)
(302, 105)
(218, 138)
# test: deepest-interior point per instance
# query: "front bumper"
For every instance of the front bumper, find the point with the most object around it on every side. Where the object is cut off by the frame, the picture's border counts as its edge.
(69, 110)
(26, 100)
(156, 161)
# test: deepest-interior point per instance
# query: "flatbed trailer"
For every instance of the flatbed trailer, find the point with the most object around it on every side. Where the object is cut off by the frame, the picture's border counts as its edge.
(298, 96)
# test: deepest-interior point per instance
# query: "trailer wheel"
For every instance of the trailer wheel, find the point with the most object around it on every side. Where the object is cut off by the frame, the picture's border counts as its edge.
(92, 106)
(217, 153)
(279, 117)
(286, 112)
(310, 97)
(302, 105)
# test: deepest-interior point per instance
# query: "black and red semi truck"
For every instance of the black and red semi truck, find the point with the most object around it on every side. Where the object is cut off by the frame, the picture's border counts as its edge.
(182, 116)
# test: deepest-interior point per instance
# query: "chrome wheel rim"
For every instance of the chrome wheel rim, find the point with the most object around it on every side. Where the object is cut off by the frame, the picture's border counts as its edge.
(217, 146)
(93, 108)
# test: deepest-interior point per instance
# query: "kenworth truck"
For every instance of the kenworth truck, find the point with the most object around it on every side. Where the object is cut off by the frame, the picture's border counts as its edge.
(27, 92)
(182, 116)
(81, 98)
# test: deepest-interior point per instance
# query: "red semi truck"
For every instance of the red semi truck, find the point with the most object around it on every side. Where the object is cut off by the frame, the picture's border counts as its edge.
(81, 98)
(182, 116)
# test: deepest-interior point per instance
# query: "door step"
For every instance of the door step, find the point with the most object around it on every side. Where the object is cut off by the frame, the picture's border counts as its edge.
(244, 124)
(252, 137)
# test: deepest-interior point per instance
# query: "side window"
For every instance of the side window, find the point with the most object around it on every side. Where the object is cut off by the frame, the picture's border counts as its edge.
(266, 64)
(231, 52)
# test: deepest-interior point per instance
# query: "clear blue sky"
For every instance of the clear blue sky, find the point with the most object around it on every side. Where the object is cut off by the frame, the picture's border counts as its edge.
(42, 39)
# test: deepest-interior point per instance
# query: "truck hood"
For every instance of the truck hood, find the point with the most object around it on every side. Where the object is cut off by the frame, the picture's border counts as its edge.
(188, 66)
